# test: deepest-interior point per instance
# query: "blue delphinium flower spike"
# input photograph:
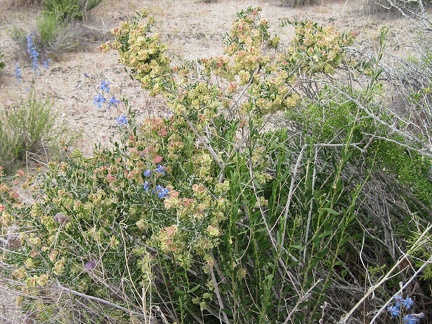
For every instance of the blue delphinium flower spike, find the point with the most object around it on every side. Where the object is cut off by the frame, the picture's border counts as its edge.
(147, 173)
(34, 54)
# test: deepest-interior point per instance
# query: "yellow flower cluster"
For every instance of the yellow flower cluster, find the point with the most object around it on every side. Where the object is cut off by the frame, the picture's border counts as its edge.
(316, 49)
(143, 52)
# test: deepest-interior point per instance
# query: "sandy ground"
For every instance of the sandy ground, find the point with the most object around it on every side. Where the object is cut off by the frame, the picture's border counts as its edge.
(192, 29)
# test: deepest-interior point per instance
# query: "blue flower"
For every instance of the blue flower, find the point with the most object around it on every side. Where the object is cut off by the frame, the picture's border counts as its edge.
(122, 120)
(399, 299)
(105, 86)
(99, 100)
(394, 311)
(408, 302)
(18, 73)
(147, 173)
(161, 191)
(46, 63)
(34, 54)
(160, 169)
(412, 318)
(113, 102)
(146, 186)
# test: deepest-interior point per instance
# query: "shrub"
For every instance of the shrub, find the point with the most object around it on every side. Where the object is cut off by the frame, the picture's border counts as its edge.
(56, 31)
(70, 9)
(225, 210)
(28, 127)
(11, 146)
(65, 38)
(2, 63)
(50, 40)
(21, 129)
(48, 27)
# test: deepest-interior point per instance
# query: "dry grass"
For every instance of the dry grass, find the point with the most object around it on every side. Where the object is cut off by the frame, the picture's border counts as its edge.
(10, 313)
(300, 3)
(408, 9)
(25, 3)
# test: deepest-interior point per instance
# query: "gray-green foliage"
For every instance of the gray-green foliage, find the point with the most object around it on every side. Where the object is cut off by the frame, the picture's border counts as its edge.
(48, 26)
(26, 127)
(2, 63)
(56, 30)
(10, 144)
(415, 11)
(51, 37)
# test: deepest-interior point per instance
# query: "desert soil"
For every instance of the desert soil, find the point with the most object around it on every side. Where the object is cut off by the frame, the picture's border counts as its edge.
(192, 29)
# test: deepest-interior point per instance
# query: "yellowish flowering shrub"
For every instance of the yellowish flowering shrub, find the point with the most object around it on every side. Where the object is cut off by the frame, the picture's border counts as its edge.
(185, 192)
(251, 65)
(201, 213)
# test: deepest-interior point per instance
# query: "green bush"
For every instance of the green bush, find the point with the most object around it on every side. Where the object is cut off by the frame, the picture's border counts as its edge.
(70, 9)
(226, 210)
(28, 127)
(11, 146)
(2, 63)
(51, 38)
(54, 37)
(48, 27)
(56, 30)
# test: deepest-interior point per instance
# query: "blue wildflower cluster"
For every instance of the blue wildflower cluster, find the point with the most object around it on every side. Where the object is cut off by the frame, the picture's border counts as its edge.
(34, 54)
(31, 49)
(159, 190)
(100, 99)
(402, 305)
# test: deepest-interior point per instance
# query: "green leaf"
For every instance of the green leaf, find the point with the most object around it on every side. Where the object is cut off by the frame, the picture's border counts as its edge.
(330, 211)
(194, 289)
